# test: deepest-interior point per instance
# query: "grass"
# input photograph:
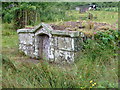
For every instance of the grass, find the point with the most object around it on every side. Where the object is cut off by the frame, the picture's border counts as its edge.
(113, 9)
(101, 73)
(102, 16)
(96, 67)
(10, 42)
(108, 17)
(79, 75)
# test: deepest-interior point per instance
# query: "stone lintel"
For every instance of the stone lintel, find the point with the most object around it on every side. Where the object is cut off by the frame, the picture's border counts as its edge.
(65, 33)
(25, 30)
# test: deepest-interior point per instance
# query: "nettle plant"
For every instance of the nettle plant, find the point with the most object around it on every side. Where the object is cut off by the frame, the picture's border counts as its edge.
(103, 47)
(107, 36)
(106, 39)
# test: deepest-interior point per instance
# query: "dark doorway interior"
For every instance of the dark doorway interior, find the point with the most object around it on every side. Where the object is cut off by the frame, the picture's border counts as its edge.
(44, 44)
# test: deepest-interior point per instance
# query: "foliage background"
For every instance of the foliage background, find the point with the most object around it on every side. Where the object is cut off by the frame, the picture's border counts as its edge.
(32, 13)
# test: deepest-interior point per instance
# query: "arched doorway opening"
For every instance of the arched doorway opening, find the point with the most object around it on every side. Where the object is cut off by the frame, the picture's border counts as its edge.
(43, 46)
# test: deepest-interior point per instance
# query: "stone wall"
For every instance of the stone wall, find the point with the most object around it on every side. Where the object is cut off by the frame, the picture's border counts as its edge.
(26, 43)
(64, 49)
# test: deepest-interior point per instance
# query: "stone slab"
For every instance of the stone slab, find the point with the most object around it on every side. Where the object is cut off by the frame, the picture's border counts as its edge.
(65, 33)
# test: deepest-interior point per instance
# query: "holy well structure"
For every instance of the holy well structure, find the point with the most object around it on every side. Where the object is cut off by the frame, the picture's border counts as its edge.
(49, 44)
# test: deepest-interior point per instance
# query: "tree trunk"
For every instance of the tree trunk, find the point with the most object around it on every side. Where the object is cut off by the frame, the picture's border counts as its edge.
(26, 17)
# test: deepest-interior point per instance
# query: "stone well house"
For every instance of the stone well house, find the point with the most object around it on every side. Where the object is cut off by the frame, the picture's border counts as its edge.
(48, 44)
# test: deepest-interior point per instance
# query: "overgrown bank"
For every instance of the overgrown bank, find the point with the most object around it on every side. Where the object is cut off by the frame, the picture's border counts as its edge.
(96, 67)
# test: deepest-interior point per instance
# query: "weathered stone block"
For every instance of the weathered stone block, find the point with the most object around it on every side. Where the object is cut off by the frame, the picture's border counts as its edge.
(64, 43)
(52, 54)
(55, 42)
(27, 39)
(77, 44)
(64, 56)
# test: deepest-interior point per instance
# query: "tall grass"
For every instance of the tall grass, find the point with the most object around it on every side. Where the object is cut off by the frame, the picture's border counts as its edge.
(93, 70)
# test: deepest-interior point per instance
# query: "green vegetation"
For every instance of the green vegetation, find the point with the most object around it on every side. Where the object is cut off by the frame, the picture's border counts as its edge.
(32, 13)
(101, 16)
(44, 75)
(97, 66)
(113, 9)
